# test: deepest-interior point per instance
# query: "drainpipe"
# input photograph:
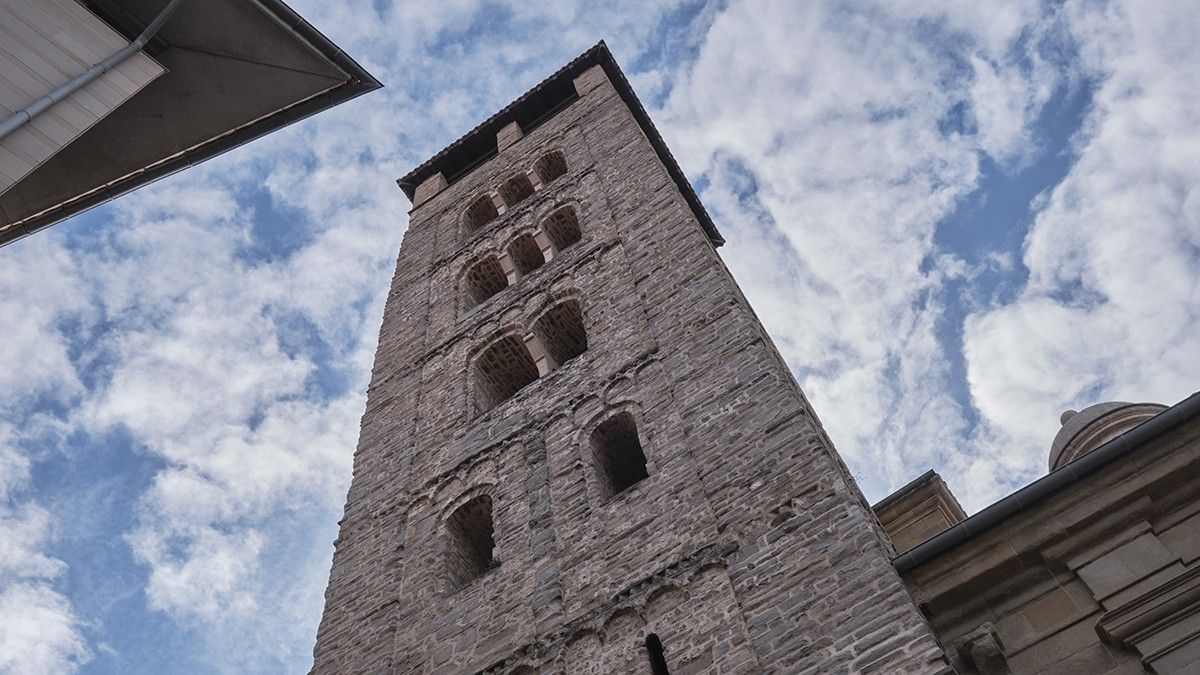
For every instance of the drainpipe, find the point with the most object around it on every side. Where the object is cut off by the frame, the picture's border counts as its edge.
(18, 119)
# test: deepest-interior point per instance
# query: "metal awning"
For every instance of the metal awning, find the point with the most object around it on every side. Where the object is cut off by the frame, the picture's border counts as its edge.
(236, 70)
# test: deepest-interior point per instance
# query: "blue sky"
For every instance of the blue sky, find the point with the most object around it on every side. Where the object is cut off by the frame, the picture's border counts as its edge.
(956, 221)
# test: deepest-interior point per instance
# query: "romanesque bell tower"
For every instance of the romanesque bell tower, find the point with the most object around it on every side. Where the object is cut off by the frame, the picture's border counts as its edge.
(581, 453)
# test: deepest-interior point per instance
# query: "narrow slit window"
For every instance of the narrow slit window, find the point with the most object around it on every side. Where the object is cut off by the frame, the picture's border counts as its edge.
(562, 227)
(501, 371)
(620, 461)
(550, 166)
(526, 254)
(658, 660)
(516, 189)
(471, 542)
(485, 279)
(562, 332)
(481, 212)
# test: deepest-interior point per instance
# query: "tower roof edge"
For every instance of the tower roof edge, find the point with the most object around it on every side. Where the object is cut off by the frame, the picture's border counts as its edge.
(541, 103)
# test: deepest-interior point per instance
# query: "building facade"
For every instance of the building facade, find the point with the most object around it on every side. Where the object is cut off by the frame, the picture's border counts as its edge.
(1093, 569)
(581, 452)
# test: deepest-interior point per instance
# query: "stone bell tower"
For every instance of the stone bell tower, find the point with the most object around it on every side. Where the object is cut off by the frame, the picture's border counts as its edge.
(581, 453)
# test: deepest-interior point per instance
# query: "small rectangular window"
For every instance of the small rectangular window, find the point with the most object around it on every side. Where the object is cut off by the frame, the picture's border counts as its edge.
(620, 461)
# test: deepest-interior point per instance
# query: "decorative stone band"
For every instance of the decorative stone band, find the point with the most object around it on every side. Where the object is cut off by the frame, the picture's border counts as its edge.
(1162, 625)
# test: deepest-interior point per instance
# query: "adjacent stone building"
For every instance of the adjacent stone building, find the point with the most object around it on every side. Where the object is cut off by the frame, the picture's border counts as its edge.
(1093, 569)
(581, 453)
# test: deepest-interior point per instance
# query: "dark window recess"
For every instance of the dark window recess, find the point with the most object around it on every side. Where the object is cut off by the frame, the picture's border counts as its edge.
(562, 227)
(562, 333)
(658, 661)
(481, 212)
(501, 371)
(471, 542)
(485, 279)
(526, 254)
(516, 189)
(550, 166)
(620, 461)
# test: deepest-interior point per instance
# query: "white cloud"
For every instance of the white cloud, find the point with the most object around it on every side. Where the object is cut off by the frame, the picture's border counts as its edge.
(38, 631)
(1112, 308)
(834, 137)
(839, 114)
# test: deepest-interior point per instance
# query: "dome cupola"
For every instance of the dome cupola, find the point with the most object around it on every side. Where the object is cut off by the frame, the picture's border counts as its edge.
(1085, 430)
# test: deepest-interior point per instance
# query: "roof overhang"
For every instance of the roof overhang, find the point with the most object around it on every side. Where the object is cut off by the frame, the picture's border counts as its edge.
(539, 104)
(236, 70)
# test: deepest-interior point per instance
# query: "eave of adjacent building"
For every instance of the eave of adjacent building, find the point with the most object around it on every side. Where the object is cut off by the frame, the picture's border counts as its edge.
(357, 81)
(1050, 484)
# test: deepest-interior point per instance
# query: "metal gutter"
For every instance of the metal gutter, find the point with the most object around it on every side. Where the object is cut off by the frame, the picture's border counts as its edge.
(19, 118)
(1046, 486)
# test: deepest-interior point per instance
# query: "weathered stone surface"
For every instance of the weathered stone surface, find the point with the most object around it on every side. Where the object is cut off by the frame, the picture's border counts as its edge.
(745, 548)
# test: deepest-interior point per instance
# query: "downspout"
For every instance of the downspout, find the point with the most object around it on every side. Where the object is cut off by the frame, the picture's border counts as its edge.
(19, 118)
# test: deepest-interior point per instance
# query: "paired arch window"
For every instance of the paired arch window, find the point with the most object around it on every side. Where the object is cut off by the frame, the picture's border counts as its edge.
(485, 279)
(470, 542)
(525, 253)
(481, 212)
(562, 333)
(617, 451)
(516, 189)
(550, 166)
(501, 371)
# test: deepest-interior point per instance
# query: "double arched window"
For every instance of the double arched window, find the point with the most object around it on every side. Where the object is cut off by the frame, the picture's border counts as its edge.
(488, 274)
(509, 364)
(514, 190)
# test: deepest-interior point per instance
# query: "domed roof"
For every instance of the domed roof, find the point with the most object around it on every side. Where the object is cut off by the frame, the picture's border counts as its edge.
(1088, 429)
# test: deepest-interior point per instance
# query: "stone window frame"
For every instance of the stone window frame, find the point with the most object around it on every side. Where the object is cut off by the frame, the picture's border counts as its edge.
(466, 294)
(552, 302)
(529, 235)
(466, 226)
(548, 155)
(511, 201)
(576, 208)
(515, 331)
(586, 458)
(443, 538)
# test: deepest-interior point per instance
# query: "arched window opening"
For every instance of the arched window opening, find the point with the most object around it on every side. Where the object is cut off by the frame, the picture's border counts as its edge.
(526, 254)
(550, 166)
(516, 189)
(620, 461)
(501, 371)
(471, 542)
(481, 212)
(562, 227)
(562, 333)
(658, 660)
(485, 279)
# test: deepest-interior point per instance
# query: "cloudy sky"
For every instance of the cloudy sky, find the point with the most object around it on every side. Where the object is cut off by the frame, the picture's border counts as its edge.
(956, 219)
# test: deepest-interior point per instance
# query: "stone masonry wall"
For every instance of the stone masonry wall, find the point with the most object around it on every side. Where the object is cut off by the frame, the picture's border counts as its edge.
(748, 548)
